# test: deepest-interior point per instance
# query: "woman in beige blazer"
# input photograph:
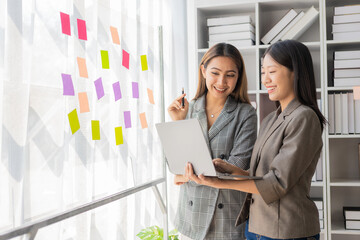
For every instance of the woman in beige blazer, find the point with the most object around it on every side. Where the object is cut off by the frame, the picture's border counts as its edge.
(285, 153)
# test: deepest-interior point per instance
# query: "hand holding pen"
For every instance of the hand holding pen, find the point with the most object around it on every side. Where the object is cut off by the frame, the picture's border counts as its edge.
(179, 107)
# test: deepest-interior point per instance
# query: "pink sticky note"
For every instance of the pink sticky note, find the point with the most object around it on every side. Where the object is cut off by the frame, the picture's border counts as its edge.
(135, 89)
(99, 88)
(81, 24)
(65, 23)
(83, 102)
(125, 59)
(68, 87)
(117, 91)
(127, 119)
(356, 91)
(143, 120)
(115, 35)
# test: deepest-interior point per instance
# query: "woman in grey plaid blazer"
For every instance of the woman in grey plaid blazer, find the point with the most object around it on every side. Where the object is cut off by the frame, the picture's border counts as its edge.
(229, 125)
(285, 154)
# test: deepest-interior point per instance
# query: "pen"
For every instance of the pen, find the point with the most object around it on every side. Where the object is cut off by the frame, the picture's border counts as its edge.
(183, 99)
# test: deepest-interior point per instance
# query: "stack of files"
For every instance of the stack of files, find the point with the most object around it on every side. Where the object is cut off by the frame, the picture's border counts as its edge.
(320, 206)
(346, 68)
(352, 218)
(344, 113)
(346, 23)
(236, 30)
(291, 26)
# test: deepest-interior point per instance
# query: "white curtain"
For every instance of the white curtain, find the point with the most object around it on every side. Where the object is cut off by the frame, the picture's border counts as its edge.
(44, 168)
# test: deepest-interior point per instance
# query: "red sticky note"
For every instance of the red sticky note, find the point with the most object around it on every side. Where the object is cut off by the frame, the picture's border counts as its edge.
(81, 24)
(125, 59)
(65, 23)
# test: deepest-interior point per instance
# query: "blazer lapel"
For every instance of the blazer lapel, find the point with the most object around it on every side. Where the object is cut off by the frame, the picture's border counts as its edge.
(226, 115)
(277, 120)
(200, 113)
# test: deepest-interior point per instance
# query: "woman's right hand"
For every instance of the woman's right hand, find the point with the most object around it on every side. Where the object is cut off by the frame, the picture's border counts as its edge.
(180, 179)
(175, 110)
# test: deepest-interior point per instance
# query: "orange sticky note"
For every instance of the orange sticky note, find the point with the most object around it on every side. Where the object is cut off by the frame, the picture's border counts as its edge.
(115, 35)
(119, 136)
(143, 120)
(356, 92)
(82, 67)
(83, 102)
(151, 96)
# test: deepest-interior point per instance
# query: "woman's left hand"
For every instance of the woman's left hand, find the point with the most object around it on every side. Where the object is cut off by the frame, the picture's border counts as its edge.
(201, 179)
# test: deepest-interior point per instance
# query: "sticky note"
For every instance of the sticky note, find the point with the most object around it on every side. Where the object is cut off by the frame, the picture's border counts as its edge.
(143, 120)
(114, 35)
(95, 129)
(151, 96)
(125, 59)
(83, 102)
(119, 136)
(117, 91)
(356, 91)
(105, 59)
(143, 60)
(127, 119)
(81, 25)
(68, 87)
(82, 67)
(99, 88)
(74, 121)
(65, 23)
(135, 89)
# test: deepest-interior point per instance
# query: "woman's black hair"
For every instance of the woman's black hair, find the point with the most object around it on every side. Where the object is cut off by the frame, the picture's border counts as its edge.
(297, 58)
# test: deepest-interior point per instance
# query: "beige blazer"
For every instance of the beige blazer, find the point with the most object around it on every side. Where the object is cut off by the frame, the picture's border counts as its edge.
(285, 154)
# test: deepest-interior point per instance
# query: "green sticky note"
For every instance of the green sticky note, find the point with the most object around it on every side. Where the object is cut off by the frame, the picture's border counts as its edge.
(95, 128)
(74, 121)
(119, 136)
(144, 65)
(105, 59)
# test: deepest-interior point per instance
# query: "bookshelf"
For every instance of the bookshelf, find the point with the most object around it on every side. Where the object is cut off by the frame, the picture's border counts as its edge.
(341, 177)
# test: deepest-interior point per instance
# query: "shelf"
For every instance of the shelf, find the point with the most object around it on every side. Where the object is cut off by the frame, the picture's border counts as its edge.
(241, 49)
(310, 45)
(345, 183)
(338, 228)
(345, 136)
(317, 184)
(338, 42)
(340, 88)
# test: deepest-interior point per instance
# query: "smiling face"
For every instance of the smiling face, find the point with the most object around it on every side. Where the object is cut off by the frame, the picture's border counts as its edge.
(278, 80)
(221, 75)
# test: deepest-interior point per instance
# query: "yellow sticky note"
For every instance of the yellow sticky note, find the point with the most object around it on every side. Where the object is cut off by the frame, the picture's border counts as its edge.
(83, 102)
(82, 67)
(115, 35)
(95, 129)
(151, 96)
(119, 136)
(356, 92)
(74, 121)
(144, 65)
(143, 120)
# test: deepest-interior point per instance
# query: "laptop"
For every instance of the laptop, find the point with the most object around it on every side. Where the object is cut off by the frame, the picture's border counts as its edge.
(183, 141)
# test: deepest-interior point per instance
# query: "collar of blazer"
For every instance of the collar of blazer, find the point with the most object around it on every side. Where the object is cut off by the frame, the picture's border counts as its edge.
(274, 121)
(226, 115)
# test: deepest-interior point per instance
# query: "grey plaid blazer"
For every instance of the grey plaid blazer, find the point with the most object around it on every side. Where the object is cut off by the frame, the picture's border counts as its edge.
(208, 213)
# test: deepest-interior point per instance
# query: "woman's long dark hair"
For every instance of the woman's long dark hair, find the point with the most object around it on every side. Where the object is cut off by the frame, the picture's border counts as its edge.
(297, 58)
